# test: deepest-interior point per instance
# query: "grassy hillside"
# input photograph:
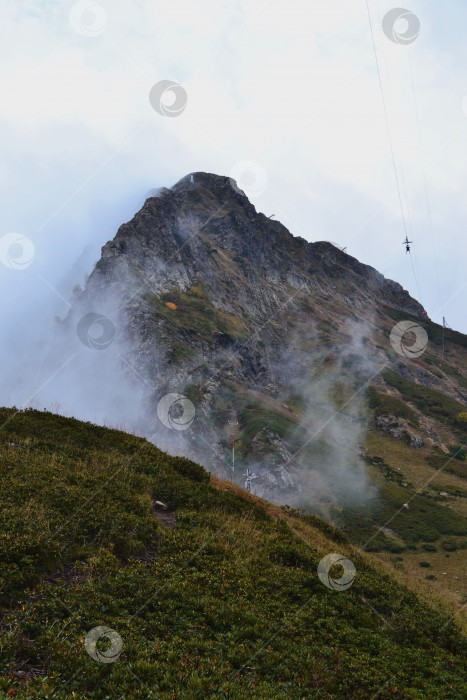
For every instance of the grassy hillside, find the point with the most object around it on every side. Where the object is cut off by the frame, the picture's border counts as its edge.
(425, 542)
(215, 596)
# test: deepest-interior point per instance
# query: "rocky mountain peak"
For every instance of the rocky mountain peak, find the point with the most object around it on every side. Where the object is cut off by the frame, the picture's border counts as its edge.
(192, 228)
(222, 305)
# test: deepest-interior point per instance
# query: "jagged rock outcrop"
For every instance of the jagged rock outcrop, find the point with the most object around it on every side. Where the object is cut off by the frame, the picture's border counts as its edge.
(223, 305)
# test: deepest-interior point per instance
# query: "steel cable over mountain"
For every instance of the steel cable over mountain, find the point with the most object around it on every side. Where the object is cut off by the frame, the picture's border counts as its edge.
(400, 183)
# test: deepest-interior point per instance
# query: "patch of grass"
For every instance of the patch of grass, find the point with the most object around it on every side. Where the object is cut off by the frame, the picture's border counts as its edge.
(449, 545)
(432, 402)
(255, 417)
(458, 452)
(383, 404)
(180, 353)
(429, 547)
(200, 606)
(451, 490)
(454, 372)
(423, 521)
(195, 313)
(194, 393)
(434, 330)
(398, 315)
(448, 464)
(389, 473)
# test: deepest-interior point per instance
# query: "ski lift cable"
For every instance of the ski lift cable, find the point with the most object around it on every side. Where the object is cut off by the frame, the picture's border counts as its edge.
(445, 325)
(442, 352)
(390, 144)
(415, 276)
(411, 230)
(425, 182)
(386, 117)
(428, 208)
(404, 192)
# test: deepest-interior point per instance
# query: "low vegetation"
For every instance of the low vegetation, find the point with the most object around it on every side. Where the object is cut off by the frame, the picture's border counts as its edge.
(423, 520)
(434, 330)
(384, 404)
(433, 403)
(192, 311)
(219, 600)
(448, 464)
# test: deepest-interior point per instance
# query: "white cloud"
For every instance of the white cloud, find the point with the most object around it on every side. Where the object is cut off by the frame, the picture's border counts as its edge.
(293, 89)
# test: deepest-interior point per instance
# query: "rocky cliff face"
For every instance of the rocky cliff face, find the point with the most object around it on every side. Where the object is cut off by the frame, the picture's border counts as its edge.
(253, 326)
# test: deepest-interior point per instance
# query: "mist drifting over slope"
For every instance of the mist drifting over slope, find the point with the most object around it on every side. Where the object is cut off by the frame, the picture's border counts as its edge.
(201, 299)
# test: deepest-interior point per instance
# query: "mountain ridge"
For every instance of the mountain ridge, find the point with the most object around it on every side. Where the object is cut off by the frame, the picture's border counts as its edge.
(218, 188)
(212, 319)
(210, 294)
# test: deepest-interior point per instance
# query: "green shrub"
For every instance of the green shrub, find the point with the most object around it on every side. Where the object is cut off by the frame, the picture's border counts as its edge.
(329, 530)
(429, 547)
(288, 555)
(436, 404)
(458, 452)
(448, 464)
(434, 330)
(190, 469)
(255, 417)
(383, 404)
(424, 520)
(395, 547)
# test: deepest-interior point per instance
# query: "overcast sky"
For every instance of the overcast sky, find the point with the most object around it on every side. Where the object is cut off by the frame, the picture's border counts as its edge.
(291, 88)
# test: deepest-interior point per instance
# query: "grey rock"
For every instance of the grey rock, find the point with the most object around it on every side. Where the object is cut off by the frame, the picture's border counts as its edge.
(258, 315)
